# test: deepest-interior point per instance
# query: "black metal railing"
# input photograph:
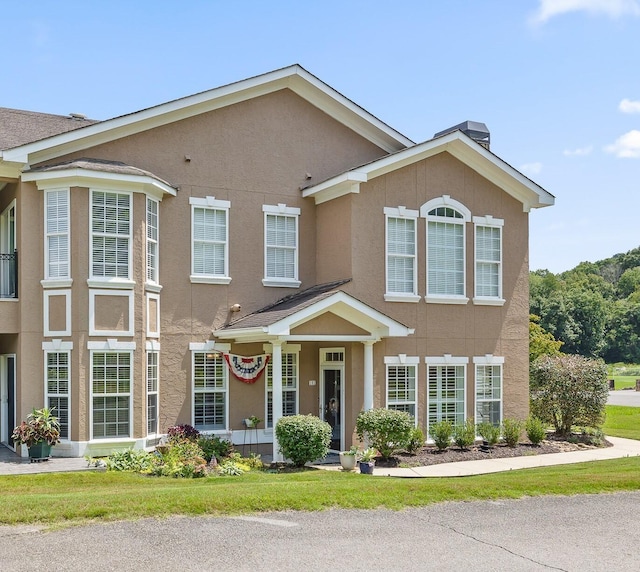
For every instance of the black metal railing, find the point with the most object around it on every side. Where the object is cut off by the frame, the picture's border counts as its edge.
(9, 275)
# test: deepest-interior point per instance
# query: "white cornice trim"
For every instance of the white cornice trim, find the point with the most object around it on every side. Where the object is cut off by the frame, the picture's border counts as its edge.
(293, 77)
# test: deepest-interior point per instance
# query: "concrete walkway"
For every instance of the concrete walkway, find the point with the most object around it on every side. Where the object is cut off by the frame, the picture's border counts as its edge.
(11, 464)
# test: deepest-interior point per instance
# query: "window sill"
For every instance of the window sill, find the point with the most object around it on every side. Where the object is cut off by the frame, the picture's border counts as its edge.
(152, 287)
(56, 282)
(280, 283)
(199, 279)
(113, 284)
(446, 300)
(489, 301)
(395, 297)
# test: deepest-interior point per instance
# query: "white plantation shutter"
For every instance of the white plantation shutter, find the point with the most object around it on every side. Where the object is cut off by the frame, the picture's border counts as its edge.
(209, 241)
(281, 246)
(401, 255)
(111, 234)
(57, 232)
(445, 270)
(111, 394)
(152, 240)
(488, 260)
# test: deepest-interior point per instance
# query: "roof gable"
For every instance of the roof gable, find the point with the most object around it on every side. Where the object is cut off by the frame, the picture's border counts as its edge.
(293, 77)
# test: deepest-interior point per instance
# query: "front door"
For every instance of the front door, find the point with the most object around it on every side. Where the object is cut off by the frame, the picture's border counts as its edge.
(332, 394)
(7, 398)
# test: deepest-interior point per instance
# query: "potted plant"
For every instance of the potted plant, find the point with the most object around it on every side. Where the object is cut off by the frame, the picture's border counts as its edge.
(252, 421)
(367, 461)
(348, 458)
(39, 433)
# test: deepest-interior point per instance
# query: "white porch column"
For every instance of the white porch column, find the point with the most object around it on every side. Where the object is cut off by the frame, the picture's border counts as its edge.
(276, 381)
(368, 374)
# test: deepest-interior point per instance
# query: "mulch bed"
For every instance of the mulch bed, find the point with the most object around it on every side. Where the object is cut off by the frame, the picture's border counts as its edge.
(430, 455)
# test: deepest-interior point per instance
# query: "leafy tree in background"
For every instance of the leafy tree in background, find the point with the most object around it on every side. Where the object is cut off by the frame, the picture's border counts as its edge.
(541, 342)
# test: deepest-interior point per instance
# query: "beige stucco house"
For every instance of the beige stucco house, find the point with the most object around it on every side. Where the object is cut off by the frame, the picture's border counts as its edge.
(145, 256)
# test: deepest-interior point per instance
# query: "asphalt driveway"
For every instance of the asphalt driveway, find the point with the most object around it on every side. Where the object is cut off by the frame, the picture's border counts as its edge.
(628, 397)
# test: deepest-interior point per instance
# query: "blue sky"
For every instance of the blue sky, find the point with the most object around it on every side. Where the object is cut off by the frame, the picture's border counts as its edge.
(556, 81)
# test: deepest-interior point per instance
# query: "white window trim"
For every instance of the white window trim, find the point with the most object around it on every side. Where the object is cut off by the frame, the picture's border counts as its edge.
(488, 359)
(286, 349)
(401, 212)
(67, 300)
(403, 360)
(152, 284)
(447, 360)
(489, 221)
(119, 347)
(114, 282)
(151, 333)
(92, 313)
(446, 201)
(58, 347)
(201, 347)
(283, 210)
(214, 204)
(60, 280)
(152, 346)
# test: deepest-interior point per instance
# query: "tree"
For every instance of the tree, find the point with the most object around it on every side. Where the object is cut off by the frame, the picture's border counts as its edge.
(541, 342)
(568, 390)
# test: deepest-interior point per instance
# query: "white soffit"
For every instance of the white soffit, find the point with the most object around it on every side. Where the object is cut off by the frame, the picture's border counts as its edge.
(293, 77)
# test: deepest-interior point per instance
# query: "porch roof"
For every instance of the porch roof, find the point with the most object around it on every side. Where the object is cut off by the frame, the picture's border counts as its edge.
(277, 320)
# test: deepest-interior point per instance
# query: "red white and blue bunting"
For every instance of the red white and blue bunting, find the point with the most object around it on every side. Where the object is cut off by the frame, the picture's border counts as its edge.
(246, 369)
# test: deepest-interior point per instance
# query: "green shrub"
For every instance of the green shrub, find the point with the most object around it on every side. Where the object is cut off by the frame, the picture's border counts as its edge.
(183, 459)
(416, 440)
(441, 433)
(464, 434)
(303, 438)
(387, 430)
(489, 432)
(536, 430)
(511, 431)
(136, 461)
(569, 390)
(212, 445)
(184, 432)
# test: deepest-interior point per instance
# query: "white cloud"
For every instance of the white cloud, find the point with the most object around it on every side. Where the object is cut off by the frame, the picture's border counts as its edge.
(612, 8)
(627, 146)
(531, 168)
(628, 106)
(580, 152)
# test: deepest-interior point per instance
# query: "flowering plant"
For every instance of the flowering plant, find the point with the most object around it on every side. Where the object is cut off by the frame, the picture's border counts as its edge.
(41, 425)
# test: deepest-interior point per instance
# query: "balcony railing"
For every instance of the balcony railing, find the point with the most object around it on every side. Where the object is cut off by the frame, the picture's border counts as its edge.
(9, 275)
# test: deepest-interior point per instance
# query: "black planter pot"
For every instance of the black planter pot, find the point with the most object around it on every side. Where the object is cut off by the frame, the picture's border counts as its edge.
(366, 467)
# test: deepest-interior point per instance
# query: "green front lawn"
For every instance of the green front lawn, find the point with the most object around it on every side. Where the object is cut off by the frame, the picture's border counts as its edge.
(624, 381)
(79, 497)
(622, 421)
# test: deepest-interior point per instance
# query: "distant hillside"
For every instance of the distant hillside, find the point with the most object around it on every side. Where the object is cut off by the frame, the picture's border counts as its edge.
(593, 308)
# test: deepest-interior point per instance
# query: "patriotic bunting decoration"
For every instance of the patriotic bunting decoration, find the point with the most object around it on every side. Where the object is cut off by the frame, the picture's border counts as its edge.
(246, 369)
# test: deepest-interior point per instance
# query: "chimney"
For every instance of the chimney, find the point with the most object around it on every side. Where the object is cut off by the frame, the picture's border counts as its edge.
(474, 129)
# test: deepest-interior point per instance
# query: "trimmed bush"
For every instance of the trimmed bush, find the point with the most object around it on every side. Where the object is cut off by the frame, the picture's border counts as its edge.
(416, 440)
(569, 390)
(441, 433)
(464, 434)
(387, 430)
(536, 430)
(489, 432)
(511, 431)
(212, 445)
(303, 438)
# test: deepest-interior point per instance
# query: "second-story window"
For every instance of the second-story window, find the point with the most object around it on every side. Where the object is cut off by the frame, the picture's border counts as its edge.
(110, 235)
(488, 243)
(152, 240)
(210, 240)
(281, 246)
(57, 234)
(401, 261)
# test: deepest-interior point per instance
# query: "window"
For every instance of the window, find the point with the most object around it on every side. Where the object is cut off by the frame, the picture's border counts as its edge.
(58, 388)
(446, 390)
(401, 248)
(210, 381)
(111, 375)
(281, 246)
(152, 240)
(57, 234)
(210, 240)
(110, 234)
(488, 280)
(402, 383)
(446, 220)
(289, 387)
(152, 392)
(488, 389)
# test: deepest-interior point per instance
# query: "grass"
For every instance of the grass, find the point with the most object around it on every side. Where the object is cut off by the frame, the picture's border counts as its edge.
(622, 421)
(69, 498)
(624, 381)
